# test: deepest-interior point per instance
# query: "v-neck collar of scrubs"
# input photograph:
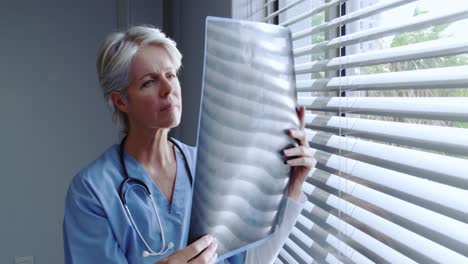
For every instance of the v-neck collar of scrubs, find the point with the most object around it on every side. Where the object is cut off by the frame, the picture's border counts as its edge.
(136, 170)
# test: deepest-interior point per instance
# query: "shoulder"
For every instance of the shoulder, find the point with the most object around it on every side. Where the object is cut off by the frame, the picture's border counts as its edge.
(103, 171)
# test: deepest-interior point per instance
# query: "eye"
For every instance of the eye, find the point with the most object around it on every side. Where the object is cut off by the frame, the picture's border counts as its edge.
(147, 83)
(171, 75)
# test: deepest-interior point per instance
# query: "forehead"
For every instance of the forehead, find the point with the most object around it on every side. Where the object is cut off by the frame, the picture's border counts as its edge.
(150, 59)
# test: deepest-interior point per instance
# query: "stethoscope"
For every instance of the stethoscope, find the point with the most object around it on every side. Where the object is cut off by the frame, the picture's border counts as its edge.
(138, 183)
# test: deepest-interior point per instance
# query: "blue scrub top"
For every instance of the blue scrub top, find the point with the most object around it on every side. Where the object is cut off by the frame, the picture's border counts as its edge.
(96, 228)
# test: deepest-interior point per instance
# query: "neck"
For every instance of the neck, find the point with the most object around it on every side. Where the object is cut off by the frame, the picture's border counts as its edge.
(150, 148)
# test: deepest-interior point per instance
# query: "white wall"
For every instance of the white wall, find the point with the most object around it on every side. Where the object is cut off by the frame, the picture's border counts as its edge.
(53, 117)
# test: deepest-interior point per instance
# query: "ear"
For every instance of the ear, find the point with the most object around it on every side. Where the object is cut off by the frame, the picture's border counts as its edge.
(119, 101)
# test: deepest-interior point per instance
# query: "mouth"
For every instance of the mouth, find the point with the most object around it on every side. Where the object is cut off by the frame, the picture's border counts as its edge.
(167, 108)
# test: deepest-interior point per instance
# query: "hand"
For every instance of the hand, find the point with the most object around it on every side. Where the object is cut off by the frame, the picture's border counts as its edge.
(303, 161)
(202, 251)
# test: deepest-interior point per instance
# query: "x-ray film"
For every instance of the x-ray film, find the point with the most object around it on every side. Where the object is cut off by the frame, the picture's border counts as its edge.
(248, 104)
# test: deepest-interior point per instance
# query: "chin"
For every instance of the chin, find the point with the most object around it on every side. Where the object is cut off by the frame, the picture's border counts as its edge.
(176, 124)
(166, 121)
(173, 122)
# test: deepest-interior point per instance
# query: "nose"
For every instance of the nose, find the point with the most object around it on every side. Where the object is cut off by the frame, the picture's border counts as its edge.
(165, 87)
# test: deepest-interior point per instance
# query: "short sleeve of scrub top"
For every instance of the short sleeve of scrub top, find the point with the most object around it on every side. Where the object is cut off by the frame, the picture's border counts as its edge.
(96, 228)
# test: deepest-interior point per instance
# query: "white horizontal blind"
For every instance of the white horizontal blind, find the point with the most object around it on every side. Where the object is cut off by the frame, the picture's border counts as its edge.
(385, 86)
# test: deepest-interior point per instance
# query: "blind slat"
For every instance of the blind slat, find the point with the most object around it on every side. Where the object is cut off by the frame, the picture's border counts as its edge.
(311, 49)
(278, 261)
(401, 239)
(282, 10)
(379, 191)
(449, 77)
(307, 240)
(294, 249)
(411, 217)
(443, 199)
(317, 249)
(308, 232)
(361, 13)
(417, 23)
(435, 167)
(269, 2)
(422, 50)
(434, 108)
(444, 139)
(286, 258)
(371, 243)
(311, 12)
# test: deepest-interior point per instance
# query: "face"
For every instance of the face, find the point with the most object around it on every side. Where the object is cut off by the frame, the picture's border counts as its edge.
(154, 99)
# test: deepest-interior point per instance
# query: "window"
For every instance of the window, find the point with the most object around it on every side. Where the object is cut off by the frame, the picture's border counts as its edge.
(385, 83)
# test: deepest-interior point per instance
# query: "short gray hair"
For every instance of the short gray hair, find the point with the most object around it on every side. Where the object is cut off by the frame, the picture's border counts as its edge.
(114, 58)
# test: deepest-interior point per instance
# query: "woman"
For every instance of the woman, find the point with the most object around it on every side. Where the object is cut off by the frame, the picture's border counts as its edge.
(137, 70)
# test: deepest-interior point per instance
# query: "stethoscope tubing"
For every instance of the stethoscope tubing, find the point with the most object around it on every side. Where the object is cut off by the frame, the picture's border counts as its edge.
(138, 183)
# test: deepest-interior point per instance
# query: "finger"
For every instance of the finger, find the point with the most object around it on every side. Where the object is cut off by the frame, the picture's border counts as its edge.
(308, 162)
(206, 256)
(300, 135)
(196, 247)
(214, 258)
(299, 151)
(301, 114)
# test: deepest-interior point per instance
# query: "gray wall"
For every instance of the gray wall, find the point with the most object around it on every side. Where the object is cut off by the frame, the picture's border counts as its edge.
(53, 117)
(54, 120)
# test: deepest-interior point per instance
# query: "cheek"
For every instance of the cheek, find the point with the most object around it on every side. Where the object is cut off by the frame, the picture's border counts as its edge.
(176, 95)
(148, 104)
